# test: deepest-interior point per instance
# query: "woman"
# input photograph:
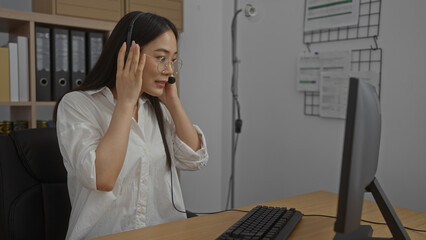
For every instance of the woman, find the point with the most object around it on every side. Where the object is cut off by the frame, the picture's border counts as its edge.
(124, 132)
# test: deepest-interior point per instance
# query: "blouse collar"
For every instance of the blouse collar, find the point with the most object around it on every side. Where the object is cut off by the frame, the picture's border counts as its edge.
(108, 94)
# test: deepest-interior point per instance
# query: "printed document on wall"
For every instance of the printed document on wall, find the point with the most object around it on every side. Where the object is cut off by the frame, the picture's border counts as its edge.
(334, 88)
(328, 14)
(308, 72)
(335, 61)
(334, 94)
(311, 65)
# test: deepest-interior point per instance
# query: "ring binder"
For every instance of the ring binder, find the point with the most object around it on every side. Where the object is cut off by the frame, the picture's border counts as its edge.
(60, 62)
(4, 75)
(43, 78)
(23, 75)
(78, 57)
(94, 48)
(13, 72)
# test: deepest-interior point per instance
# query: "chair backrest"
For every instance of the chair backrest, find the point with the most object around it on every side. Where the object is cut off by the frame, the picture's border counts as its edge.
(34, 200)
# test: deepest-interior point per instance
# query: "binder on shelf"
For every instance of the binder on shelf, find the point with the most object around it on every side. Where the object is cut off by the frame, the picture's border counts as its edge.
(95, 43)
(6, 127)
(10, 126)
(45, 124)
(78, 57)
(13, 71)
(23, 70)
(60, 62)
(4, 75)
(20, 125)
(43, 77)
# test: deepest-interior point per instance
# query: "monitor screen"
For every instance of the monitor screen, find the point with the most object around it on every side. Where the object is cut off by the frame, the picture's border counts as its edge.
(359, 165)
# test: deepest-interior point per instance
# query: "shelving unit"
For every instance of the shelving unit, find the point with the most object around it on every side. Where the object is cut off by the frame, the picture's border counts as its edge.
(112, 10)
(23, 24)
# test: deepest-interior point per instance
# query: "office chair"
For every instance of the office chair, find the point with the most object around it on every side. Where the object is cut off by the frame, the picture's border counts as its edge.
(34, 200)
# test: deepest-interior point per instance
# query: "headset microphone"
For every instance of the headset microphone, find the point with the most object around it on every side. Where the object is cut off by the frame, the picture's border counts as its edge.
(171, 80)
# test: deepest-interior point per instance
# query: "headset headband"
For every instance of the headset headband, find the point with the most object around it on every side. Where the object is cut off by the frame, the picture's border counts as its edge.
(129, 34)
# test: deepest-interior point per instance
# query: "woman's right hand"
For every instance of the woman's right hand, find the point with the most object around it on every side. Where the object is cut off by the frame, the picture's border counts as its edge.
(112, 148)
(129, 74)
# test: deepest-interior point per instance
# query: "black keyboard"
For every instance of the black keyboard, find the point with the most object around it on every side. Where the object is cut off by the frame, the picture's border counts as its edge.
(263, 222)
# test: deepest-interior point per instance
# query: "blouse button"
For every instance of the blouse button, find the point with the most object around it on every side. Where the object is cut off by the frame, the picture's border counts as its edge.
(141, 210)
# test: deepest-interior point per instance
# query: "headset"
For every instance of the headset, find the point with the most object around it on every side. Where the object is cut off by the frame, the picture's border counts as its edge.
(171, 79)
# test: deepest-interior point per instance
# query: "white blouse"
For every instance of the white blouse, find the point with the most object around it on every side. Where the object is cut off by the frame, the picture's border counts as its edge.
(142, 193)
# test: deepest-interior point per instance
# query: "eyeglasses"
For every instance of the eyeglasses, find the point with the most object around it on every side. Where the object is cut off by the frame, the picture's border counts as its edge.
(164, 63)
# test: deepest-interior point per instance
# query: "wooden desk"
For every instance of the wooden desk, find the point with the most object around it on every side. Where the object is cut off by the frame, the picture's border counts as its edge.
(212, 226)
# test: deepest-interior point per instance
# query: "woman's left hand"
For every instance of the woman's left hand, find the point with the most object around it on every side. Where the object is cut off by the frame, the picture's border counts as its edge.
(169, 95)
(184, 128)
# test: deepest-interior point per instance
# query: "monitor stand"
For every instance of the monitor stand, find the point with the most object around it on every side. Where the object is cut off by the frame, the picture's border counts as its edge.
(392, 220)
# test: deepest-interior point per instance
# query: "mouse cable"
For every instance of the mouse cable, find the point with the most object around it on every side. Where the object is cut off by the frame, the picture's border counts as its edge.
(367, 221)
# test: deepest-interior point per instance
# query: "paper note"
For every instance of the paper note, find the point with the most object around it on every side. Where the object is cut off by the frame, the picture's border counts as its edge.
(333, 94)
(333, 61)
(308, 74)
(328, 14)
(311, 65)
(334, 88)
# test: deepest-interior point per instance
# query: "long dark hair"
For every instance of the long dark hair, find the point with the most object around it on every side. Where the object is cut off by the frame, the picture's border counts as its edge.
(146, 28)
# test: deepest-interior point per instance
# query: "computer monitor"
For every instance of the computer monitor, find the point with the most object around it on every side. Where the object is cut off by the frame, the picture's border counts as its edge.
(359, 165)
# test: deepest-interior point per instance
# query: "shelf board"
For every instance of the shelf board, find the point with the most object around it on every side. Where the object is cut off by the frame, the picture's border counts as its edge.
(9, 25)
(27, 104)
(12, 104)
(11, 17)
(45, 103)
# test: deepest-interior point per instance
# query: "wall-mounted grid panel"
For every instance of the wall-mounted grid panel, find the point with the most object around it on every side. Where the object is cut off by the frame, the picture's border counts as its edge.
(368, 26)
(361, 60)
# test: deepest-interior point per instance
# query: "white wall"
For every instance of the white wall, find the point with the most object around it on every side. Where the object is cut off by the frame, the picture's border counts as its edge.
(281, 151)
(201, 91)
(21, 5)
(403, 155)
